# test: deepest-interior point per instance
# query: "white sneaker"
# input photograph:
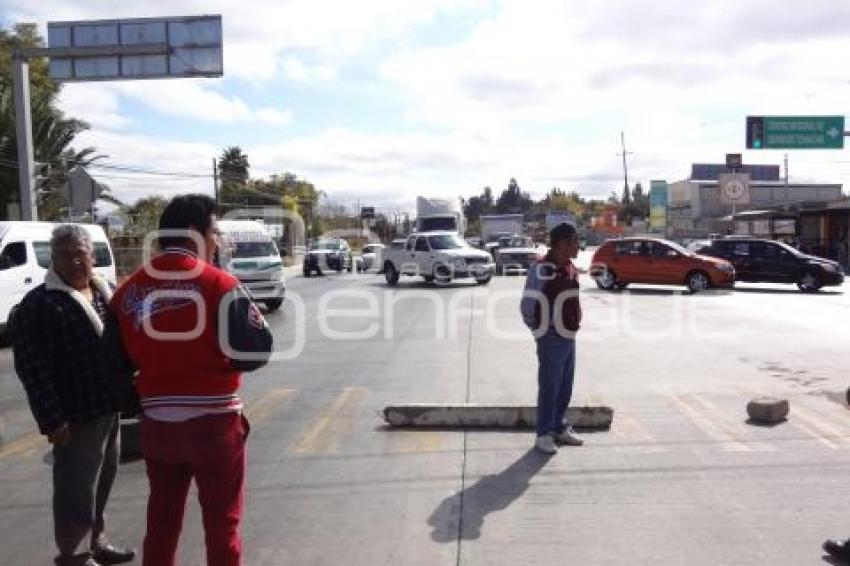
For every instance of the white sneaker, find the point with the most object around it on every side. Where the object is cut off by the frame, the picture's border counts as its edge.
(546, 444)
(568, 438)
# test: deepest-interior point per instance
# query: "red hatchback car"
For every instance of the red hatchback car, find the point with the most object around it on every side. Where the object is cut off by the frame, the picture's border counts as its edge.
(655, 261)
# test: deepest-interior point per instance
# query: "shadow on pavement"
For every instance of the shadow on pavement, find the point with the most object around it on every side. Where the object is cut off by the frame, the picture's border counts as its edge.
(489, 494)
(789, 291)
(649, 291)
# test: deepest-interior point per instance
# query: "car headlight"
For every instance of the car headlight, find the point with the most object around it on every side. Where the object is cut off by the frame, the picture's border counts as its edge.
(726, 268)
(459, 262)
(829, 267)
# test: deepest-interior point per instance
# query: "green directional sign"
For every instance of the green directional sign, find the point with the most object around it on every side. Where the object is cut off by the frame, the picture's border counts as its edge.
(795, 132)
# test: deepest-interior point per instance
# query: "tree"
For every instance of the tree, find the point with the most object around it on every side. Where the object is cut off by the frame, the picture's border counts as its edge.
(639, 206)
(144, 215)
(513, 200)
(233, 166)
(478, 206)
(53, 133)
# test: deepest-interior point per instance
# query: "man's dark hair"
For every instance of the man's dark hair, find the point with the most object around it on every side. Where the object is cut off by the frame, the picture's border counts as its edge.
(562, 232)
(185, 212)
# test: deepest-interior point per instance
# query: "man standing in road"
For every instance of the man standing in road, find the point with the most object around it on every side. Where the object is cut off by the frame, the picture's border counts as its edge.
(190, 331)
(56, 338)
(550, 308)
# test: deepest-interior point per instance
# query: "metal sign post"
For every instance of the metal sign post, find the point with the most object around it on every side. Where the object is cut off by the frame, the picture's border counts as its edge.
(23, 131)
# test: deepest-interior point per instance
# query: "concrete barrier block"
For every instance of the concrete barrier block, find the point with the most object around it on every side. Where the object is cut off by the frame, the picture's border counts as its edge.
(489, 416)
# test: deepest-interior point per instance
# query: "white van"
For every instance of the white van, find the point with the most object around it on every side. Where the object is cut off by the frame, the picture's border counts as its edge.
(250, 254)
(25, 257)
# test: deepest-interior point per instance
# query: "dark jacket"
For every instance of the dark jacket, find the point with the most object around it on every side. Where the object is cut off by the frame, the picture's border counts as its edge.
(57, 358)
(559, 288)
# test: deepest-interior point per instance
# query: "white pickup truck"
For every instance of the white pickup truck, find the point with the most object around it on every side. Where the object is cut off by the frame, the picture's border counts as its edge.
(437, 256)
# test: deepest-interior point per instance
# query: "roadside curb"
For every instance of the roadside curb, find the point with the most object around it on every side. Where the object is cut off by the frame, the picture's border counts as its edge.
(489, 416)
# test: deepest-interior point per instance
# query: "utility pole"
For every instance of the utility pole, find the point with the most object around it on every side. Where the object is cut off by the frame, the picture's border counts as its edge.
(215, 185)
(786, 181)
(626, 196)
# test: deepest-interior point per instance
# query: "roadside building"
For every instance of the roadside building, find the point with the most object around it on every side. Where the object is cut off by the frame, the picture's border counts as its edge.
(770, 208)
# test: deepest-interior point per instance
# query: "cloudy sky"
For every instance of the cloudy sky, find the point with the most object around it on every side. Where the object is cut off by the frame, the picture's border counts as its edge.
(382, 100)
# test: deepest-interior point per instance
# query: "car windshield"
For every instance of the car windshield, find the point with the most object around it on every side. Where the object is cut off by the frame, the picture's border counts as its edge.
(677, 247)
(518, 243)
(447, 242)
(254, 249)
(791, 249)
(325, 245)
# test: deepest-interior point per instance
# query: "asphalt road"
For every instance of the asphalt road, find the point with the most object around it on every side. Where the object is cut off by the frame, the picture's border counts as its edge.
(679, 479)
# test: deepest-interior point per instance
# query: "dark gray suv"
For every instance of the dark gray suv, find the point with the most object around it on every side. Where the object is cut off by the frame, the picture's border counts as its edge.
(769, 261)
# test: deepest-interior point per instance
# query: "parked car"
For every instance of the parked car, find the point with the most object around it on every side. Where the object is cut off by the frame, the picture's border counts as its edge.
(617, 263)
(769, 261)
(372, 256)
(440, 256)
(516, 254)
(327, 253)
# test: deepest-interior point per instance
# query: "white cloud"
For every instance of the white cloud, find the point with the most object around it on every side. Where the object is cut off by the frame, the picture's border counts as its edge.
(94, 104)
(300, 72)
(274, 117)
(98, 103)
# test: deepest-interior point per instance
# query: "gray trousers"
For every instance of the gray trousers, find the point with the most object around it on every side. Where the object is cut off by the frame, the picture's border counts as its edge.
(83, 473)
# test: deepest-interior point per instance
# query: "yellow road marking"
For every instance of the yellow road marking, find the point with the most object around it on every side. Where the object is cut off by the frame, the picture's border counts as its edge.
(332, 425)
(708, 425)
(736, 430)
(262, 408)
(417, 441)
(805, 420)
(23, 445)
(814, 425)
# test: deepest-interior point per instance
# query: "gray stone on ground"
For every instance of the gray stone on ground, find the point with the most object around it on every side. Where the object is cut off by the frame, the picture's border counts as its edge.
(768, 410)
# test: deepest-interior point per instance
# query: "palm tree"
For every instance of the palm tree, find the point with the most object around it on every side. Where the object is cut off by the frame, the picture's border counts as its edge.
(233, 166)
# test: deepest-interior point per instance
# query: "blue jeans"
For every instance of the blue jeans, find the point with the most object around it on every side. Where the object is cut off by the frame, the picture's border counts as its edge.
(556, 356)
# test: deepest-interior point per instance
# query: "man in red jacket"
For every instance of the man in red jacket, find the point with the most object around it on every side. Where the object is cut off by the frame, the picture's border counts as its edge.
(190, 331)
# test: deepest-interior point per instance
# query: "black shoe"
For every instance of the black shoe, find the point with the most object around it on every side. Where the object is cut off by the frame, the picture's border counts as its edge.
(838, 549)
(108, 554)
(84, 559)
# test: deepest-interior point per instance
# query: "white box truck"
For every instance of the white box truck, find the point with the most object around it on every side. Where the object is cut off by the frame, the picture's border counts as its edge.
(495, 226)
(439, 215)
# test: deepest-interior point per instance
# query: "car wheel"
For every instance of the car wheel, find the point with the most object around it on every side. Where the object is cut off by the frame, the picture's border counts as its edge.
(606, 280)
(697, 281)
(428, 278)
(307, 272)
(483, 280)
(442, 274)
(809, 282)
(390, 274)
(273, 304)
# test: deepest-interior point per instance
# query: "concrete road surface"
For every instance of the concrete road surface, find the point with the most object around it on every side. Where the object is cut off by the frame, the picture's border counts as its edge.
(681, 478)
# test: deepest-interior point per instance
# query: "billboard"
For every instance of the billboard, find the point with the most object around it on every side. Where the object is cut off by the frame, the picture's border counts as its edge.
(658, 206)
(137, 48)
